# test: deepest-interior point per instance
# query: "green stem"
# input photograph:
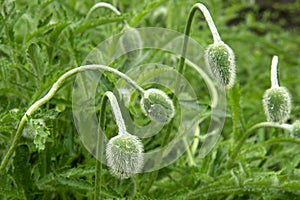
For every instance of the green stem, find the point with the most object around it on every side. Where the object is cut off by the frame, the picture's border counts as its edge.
(117, 112)
(248, 133)
(208, 81)
(216, 38)
(122, 129)
(155, 173)
(98, 175)
(51, 93)
(105, 5)
(191, 161)
(212, 27)
(196, 141)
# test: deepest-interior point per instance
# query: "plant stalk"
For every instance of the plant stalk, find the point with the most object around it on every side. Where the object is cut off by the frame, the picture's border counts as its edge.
(274, 72)
(239, 145)
(122, 129)
(51, 93)
(216, 38)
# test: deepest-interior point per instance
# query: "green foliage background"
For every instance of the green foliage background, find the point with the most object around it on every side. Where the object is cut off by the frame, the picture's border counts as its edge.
(40, 40)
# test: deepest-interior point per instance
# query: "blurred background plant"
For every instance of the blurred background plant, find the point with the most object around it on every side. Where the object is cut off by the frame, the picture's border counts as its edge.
(40, 40)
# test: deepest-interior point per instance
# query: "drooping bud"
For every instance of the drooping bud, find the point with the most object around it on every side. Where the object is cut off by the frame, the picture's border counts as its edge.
(220, 59)
(158, 106)
(131, 42)
(124, 154)
(277, 104)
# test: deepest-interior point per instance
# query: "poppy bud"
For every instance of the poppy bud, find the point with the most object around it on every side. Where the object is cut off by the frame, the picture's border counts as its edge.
(157, 106)
(131, 42)
(276, 100)
(277, 104)
(220, 59)
(124, 154)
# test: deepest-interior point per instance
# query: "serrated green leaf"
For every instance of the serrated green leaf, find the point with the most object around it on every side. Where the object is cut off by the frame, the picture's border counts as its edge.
(74, 183)
(92, 23)
(41, 30)
(148, 8)
(76, 172)
(292, 186)
(9, 193)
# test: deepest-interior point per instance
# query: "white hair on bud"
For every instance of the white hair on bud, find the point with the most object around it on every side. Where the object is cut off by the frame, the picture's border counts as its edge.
(158, 106)
(277, 104)
(220, 60)
(124, 154)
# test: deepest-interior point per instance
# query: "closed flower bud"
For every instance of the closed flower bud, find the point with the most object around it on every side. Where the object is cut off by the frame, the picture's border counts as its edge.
(220, 59)
(296, 129)
(277, 104)
(124, 154)
(131, 42)
(157, 106)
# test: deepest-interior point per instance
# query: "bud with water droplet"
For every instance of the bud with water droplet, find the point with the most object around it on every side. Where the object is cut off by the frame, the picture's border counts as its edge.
(157, 106)
(124, 154)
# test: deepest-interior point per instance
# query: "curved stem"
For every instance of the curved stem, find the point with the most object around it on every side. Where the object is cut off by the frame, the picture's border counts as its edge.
(122, 129)
(104, 5)
(287, 127)
(274, 72)
(117, 112)
(208, 81)
(209, 20)
(212, 27)
(216, 38)
(51, 93)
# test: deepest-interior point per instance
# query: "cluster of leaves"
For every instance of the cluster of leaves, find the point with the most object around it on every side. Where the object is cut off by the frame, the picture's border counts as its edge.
(40, 40)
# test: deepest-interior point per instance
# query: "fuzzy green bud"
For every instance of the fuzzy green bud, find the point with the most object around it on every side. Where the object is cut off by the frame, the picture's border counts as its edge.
(131, 42)
(277, 104)
(220, 59)
(157, 106)
(124, 154)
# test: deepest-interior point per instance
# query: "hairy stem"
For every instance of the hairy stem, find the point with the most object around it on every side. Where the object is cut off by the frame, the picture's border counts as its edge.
(103, 5)
(51, 93)
(216, 38)
(122, 129)
(274, 72)
(212, 27)
(239, 145)
(117, 112)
